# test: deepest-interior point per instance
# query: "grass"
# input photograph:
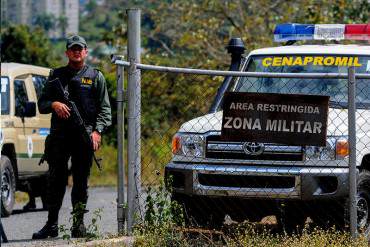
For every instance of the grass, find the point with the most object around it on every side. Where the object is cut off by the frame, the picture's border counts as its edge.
(108, 175)
(156, 153)
(164, 225)
(243, 235)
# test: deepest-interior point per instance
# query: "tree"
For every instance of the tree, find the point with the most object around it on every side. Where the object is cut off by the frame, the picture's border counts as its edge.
(63, 23)
(22, 45)
(199, 30)
(194, 33)
(45, 21)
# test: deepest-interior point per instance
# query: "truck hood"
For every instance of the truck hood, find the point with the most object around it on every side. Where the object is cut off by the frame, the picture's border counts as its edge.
(337, 122)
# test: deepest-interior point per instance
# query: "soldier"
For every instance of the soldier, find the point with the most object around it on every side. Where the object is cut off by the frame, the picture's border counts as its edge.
(86, 86)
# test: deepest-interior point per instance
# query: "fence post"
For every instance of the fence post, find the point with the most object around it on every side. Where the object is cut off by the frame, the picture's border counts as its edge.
(134, 118)
(121, 202)
(352, 151)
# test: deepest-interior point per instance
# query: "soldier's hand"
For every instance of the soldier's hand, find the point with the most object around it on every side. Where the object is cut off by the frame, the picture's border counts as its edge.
(96, 140)
(62, 110)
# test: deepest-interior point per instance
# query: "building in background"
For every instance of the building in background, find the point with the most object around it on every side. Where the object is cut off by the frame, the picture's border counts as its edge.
(59, 18)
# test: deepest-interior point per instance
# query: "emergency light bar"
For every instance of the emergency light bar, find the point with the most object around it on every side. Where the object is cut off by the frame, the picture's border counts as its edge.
(293, 31)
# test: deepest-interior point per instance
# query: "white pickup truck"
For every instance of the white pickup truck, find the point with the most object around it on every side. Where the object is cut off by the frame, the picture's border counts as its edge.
(212, 178)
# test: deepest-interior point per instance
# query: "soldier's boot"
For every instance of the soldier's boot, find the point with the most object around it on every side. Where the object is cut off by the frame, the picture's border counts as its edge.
(51, 227)
(78, 229)
(49, 230)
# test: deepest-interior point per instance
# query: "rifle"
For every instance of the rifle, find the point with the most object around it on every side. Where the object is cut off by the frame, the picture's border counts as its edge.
(77, 119)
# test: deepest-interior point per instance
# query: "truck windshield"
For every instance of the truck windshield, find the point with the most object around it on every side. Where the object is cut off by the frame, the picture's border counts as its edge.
(335, 88)
(4, 89)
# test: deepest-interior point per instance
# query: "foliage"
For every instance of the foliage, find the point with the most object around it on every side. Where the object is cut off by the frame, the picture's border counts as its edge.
(63, 23)
(22, 45)
(162, 216)
(160, 209)
(65, 232)
(46, 21)
(92, 230)
(198, 30)
(245, 235)
(194, 34)
(108, 176)
(176, 33)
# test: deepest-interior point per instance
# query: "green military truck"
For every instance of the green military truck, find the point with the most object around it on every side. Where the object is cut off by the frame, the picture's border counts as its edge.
(22, 133)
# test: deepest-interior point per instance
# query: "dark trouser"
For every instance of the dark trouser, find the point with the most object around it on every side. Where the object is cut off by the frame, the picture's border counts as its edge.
(61, 149)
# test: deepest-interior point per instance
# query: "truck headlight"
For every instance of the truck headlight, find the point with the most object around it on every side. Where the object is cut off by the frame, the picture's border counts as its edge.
(336, 148)
(192, 145)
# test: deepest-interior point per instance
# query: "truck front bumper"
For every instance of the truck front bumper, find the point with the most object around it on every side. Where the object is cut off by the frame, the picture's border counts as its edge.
(263, 182)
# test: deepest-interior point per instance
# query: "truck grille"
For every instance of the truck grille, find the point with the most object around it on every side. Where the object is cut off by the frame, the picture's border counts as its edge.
(247, 181)
(217, 149)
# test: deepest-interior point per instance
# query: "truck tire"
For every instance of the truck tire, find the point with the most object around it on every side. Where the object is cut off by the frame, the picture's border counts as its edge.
(7, 187)
(363, 203)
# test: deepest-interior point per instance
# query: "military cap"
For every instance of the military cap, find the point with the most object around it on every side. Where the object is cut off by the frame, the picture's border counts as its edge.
(76, 40)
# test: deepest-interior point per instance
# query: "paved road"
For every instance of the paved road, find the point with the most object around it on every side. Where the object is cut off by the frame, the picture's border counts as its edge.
(20, 226)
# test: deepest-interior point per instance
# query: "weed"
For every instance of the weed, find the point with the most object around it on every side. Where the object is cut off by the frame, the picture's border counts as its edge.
(163, 225)
(65, 232)
(92, 230)
(245, 235)
(160, 209)
(162, 216)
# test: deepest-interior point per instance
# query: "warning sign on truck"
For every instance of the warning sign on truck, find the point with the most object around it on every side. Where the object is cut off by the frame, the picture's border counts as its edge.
(275, 118)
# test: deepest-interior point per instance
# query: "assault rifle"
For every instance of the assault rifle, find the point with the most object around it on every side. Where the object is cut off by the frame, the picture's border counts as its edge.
(77, 120)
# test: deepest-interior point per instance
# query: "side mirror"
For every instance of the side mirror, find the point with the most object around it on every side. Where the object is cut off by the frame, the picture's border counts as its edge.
(29, 109)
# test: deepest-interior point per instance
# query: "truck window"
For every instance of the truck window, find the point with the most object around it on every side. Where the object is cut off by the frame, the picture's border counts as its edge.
(39, 83)
(21, 97)
(335, 88)
(4, 90)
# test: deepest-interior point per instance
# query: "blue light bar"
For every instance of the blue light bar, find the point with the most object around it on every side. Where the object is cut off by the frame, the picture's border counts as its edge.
(294, 31)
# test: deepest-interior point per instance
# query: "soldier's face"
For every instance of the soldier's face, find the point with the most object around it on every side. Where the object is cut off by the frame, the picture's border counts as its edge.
(76, 53)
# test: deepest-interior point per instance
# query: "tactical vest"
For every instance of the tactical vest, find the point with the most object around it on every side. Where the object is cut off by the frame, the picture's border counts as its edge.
(82, 91)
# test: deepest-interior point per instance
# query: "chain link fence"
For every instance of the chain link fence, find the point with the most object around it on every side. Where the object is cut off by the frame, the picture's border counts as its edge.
(289, 184)
(214, 180)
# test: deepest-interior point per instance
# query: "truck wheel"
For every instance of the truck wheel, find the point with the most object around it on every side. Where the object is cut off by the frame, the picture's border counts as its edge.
(7, 187)
(363, 203)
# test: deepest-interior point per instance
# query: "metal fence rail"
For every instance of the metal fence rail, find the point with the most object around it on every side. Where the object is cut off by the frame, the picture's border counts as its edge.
(140, 66)
(283, 172)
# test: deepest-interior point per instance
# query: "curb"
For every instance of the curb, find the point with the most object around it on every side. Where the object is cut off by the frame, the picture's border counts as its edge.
(120, 241)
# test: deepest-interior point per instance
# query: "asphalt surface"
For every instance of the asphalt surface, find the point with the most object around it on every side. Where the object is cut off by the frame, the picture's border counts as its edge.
(20, 225)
